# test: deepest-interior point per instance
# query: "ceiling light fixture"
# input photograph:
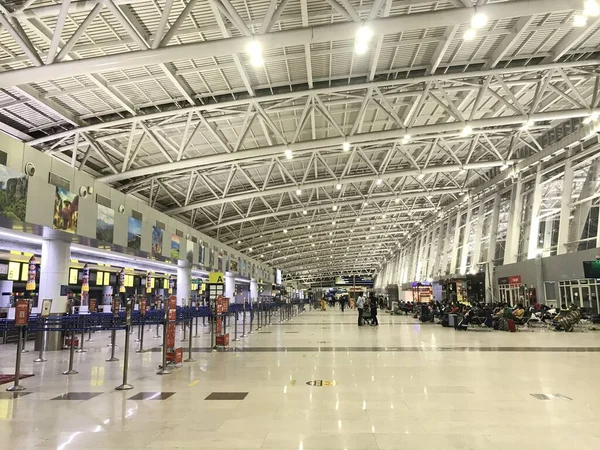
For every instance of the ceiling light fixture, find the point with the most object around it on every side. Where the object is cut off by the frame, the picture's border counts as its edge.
(289, 154)
(466, 131)
(298, 191)
(334, 207)
(591, 8)
(579, 20)
(479, 20)
(305, 212)
(346, 146)
(338, 187)
(363, 36)
(379, 181)
(421, 176)
(254, 50)
(591, 118)
(250, 249)
(285, 230)
(469, 34)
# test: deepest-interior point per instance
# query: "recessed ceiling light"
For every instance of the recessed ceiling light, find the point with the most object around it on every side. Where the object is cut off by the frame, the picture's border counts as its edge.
(289, 154)
(469, 34)
(346, 146)
(298, 191)
(479, 20)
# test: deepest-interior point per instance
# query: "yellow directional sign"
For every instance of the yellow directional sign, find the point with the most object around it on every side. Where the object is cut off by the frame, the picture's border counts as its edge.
(216, 277)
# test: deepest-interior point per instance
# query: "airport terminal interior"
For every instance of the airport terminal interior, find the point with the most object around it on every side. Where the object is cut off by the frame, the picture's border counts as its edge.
(299, 224)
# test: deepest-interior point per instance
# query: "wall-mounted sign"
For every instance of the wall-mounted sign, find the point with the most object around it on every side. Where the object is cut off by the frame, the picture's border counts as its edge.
(216, 278)
(31, 275)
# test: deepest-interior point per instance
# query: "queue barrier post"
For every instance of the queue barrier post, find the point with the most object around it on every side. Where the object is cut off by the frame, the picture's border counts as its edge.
(244, 322)
(16, 386)
(70, 370)
(24, 349)
(196, 335)
(164, 370)
(141, 349)
(126, 386)
(40, 357)
(81, 349)
(189, 358)
(157, 335)
(213, 338)
(113, 338)
(235, 338)
(251, 319)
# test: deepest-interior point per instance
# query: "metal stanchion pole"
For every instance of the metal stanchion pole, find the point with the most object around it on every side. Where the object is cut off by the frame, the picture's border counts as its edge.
(244, 322)
(236, 327)
(81, 349)
(113, 338)
(163, 369)
(196, 327)
(184, 337)
(157, 336)
(139, 333)
(213, 341)
(71, 371)
(89, 339)
(16, 386)
(189, 358)
(24, 350)
(258, 327)
(141, 349)
(203, 321)
(126, 386)
(251, 319)
(40, 357)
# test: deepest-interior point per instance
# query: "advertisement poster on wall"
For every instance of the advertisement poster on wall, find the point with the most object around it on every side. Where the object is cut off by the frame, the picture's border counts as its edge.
(174, 246)
(105, 224)
(211, 258)
(13, 193)
(134, 233)
(157, 241)
(189, 255)
(66, 210)
(201, 255)
(233, 266)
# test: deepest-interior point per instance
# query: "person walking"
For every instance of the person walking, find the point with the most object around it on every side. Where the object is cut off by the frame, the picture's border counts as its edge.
(360, 304)
(373, 303)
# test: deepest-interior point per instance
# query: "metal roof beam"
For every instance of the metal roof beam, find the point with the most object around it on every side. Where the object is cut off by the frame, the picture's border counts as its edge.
(292, 37)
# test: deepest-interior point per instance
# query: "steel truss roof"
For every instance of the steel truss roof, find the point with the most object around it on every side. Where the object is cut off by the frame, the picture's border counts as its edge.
(159, 98)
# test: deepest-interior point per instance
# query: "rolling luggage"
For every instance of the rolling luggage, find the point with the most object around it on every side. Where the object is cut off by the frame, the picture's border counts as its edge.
(511, 325)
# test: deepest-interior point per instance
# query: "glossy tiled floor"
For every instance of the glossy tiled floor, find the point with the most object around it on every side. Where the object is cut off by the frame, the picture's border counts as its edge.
(400, 386)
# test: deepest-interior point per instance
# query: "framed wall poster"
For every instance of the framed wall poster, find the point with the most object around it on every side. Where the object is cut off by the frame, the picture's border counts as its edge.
(105, 224)
(175, 245)
(157, 241)
(13, 193)
(66, 210)
(134, 233)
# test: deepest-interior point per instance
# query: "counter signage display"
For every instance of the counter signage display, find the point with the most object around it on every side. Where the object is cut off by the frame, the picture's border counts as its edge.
(92, 305)
(46, 307)
(31, 275)
(85, 280)
(14, 271)
(22, 313)
(148, 283)
(143, 306)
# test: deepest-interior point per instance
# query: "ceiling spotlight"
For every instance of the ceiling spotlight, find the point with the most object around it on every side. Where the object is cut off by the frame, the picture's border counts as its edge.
(591, 8)
(313, 244)
(308, 227)
(285, 230)
(338, 187)
(331, 242)
(255, 52)
(289, 154)
(289, 240)
(384, 216)
(358, 219)
(269, 245)
(469, 34)
(479, 20)
(366, 204)
(333, 223)
(310, 236)
(467, 130)
(591, 118)
(579, 20)
(262, 256)
(527, 124)
(351, 230)
(330, 233)
(421, 176)
(334, 207)
(379, 181)
(305, 212)
(397, 201)
(363, 35)
(250, 249)
(503, 167)
(346, 146)
(239, 242)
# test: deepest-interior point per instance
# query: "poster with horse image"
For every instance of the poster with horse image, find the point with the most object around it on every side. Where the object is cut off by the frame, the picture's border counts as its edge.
(13, 193)
(66, 210)
(134, 233)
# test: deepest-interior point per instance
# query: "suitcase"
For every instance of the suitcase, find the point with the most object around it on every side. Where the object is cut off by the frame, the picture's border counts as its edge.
(511, 326)
(452, 320)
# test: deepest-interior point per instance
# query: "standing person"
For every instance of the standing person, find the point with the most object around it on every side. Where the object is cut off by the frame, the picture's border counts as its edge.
(373, 302)
(360, 304)
(342, 302)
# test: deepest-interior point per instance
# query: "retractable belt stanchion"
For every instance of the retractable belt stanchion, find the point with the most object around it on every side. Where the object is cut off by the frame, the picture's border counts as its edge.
(189, 358)
(81, 349)
(163, 369)
(251, 319)
(24, 349)
(40, 357)
(16, 386)
(70, 370)
(213, 325)
(235, 338)
(258, 326)
(244, 322)
(143, 325)
(126, 386)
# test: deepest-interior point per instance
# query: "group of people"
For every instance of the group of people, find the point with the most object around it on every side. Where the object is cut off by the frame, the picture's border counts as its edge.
(370, 303)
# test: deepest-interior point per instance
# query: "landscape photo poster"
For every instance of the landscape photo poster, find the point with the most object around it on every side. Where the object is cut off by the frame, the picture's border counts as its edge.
(66, 210)
(157, 241)
(13, 193)
(134, 233)
(189, 255)
(175, 246)
(105, 224)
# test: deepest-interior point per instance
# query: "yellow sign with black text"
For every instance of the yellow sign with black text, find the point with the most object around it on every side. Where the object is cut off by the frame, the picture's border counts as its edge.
(216, 277)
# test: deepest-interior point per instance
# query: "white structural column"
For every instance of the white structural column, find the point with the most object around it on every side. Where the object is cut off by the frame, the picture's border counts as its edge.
(54, 272)
(478, 237)
(565, 209)
(415, 258)
(436, 261)
(421, 265)
(466, 233)
(229, 286)
(446, 248)
(184, 275)
(253, 290)
(534, 226)
(514, 223)
(455, 246)
(494, 230)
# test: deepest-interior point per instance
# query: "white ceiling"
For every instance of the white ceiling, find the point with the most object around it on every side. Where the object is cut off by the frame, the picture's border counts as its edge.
(160, 99)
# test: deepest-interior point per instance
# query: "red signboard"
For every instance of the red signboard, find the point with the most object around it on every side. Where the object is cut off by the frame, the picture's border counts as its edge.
(219, 325)
(223, 340)
(515, 279)
(171, 335)
(143, 307)
(92, 305)
(172, 315)
(172, 302)
(225, 305)
(22, 313)
(116, 306)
